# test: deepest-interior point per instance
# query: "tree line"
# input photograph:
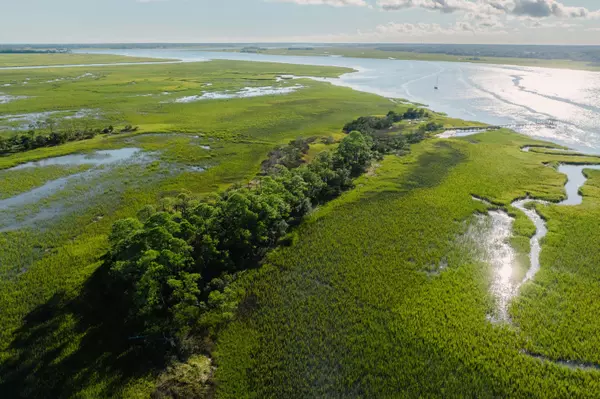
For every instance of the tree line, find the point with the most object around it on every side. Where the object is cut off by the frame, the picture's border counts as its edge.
(171, 266)
(32, 140)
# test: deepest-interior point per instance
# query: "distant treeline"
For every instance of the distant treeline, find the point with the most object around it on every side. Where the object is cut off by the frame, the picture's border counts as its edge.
(32, 140)
(32, 51)
(252, 49)
(545, 52)
(174, 267)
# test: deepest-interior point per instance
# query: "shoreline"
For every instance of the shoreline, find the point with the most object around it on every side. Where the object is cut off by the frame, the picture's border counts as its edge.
(562, 64)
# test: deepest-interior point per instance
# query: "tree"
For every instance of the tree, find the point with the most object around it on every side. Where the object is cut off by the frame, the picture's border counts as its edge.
(354, 153)
(248, 223)
(4, 145)
(40, 141)
(156, 273)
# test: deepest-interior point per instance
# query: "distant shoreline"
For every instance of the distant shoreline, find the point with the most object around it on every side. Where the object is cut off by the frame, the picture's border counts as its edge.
(415, 56)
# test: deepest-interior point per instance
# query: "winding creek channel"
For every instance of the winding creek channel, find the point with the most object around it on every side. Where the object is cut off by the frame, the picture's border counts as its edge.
(499, 253)
(493, 234)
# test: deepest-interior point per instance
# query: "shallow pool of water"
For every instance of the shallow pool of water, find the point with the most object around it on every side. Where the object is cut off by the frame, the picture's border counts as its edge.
(22, 121)
(492, 234)
(102, 157)
(5, 98)
(246, 92)
(576, 180)
(23, 210)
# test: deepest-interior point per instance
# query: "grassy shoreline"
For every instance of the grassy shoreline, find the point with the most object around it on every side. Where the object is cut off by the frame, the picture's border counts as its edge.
(413, 56)
(30, 60)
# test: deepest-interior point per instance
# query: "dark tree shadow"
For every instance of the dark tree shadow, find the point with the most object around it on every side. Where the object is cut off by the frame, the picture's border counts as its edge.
(67, 343)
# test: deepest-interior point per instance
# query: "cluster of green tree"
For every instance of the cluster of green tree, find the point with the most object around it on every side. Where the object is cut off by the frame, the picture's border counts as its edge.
(290, 155)
(172, 267)
(377, 129)
(413, 113)
(32, 140)
(369, 124)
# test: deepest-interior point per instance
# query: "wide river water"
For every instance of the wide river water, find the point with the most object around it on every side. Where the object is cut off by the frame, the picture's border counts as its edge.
(495, 94)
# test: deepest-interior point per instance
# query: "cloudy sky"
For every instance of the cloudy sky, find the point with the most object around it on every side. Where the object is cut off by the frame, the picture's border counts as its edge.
(410, 21)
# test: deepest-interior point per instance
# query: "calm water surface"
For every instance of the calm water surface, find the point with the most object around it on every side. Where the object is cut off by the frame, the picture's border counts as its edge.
(493, 94)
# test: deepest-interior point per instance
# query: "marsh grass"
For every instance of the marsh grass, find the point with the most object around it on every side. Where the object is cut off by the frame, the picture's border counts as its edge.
(352, 308)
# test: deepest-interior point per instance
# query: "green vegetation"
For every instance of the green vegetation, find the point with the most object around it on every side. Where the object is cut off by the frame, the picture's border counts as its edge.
(256, 247)
(375, 298)
(63, 335)
(15, 60)
(557, 311)
(172, 267)
(24, 180)
(32, 139)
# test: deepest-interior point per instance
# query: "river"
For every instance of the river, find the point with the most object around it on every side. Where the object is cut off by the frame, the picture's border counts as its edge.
(495, 94)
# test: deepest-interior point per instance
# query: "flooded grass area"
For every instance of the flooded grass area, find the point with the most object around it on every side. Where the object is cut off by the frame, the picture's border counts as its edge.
(246, 92)
(64, 194)
(5, 99)
(22, 122)
(491, 234)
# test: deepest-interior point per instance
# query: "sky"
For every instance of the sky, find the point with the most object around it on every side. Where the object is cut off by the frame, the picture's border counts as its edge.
(348, 21)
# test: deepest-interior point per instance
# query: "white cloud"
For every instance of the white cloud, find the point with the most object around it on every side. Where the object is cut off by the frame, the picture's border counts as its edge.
(530, 8)
(402, 30)
(334, 3)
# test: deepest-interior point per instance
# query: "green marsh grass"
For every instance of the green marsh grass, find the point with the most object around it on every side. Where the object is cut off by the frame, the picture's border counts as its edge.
(352, 308)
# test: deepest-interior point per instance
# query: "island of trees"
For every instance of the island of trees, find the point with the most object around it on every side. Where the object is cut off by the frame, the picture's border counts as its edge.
(173, 266)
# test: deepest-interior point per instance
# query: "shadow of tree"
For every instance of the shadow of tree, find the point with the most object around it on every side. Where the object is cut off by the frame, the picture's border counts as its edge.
(69, 344)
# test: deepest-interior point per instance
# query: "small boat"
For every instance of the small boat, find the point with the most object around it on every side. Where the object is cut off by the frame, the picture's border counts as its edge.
(437, 83)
